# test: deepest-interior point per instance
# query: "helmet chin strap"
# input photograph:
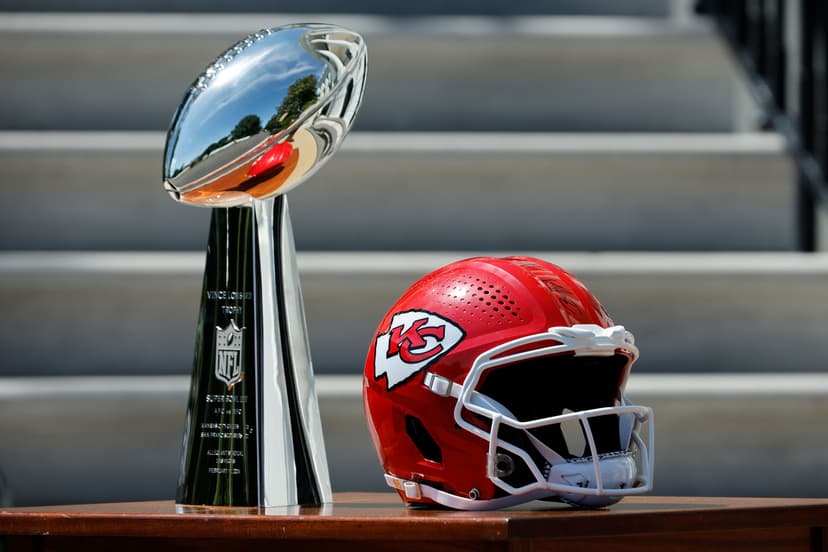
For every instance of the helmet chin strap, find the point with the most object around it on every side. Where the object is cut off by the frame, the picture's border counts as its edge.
(614, 471)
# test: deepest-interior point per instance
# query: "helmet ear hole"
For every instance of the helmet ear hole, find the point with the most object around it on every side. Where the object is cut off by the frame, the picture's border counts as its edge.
(421, 438)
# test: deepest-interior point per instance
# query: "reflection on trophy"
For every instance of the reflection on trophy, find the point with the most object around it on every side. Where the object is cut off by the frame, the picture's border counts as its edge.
(262, 118)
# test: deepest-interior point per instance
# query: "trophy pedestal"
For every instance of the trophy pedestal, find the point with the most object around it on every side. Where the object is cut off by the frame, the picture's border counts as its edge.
(253, 435)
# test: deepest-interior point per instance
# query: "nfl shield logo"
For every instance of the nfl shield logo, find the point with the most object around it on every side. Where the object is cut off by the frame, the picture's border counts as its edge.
(229, 354)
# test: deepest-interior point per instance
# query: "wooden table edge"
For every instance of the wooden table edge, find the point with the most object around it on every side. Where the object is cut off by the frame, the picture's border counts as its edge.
(369, 516)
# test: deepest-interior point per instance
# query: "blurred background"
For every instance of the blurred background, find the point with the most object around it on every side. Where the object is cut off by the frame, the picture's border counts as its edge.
(668, 152)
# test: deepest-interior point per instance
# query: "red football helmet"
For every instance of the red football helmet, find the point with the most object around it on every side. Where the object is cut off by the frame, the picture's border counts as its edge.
(492, 382)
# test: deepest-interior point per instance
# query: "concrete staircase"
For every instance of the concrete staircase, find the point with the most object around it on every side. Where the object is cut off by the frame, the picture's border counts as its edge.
(615, 139)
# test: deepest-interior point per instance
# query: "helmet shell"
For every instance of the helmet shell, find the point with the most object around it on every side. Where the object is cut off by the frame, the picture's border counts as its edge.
(441, 324)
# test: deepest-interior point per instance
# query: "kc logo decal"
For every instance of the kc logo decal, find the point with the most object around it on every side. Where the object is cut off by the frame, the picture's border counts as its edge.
(414, 340)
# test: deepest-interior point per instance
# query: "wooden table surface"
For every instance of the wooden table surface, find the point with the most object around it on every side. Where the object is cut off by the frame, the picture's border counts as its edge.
(376, 521)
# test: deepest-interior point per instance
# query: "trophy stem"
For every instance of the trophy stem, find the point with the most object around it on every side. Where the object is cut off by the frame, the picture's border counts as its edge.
(253, 435)
(296, 473)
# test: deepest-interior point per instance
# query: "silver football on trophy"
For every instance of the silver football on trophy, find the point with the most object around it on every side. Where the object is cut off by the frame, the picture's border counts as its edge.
(265, 115)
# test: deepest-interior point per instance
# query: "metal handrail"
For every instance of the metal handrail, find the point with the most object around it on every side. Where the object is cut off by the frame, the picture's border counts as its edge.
(783, 47)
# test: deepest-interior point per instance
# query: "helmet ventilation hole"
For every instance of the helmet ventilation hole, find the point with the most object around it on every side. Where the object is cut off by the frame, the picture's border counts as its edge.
(480, 300)
(424, 442)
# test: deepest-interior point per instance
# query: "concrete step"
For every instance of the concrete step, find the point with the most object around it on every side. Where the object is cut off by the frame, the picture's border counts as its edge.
(130, 71)
(650, 8)
(98, 190)
(119, 313)
(70, 440)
